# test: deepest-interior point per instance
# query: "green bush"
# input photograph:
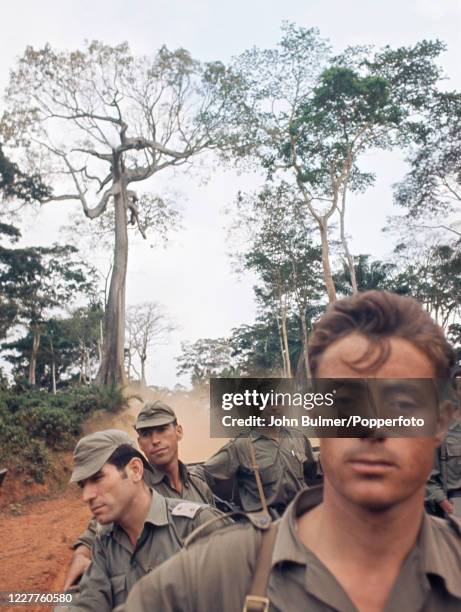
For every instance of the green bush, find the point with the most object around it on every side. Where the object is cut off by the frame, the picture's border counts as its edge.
(32, 423)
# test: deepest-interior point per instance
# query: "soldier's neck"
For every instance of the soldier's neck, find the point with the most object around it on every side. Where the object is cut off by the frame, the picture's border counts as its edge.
(132, 522)
(173, 473)
(362, 547)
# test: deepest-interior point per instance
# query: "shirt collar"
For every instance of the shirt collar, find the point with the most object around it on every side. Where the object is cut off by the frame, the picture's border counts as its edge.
(439, 554)
(288, 546)
(156, 476)
(157, 515)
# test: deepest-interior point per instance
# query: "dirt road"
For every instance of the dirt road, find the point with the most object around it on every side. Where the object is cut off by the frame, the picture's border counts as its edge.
(35, 544)
(35, 537)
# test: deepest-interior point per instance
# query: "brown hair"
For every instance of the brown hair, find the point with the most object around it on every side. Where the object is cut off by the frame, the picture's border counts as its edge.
(378, 315)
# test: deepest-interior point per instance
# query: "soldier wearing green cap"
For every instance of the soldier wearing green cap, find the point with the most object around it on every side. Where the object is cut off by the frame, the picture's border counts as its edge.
(139, 527)
(158, 437)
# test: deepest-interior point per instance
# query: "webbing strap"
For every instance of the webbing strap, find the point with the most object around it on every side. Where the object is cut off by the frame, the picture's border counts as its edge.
(257, 600)
(259, 484)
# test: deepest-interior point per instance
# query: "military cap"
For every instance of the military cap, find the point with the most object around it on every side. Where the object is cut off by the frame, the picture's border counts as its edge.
(92, 451)
(154, 415)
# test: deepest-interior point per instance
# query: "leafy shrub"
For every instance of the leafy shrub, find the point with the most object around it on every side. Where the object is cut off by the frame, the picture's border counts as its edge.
(34, 422)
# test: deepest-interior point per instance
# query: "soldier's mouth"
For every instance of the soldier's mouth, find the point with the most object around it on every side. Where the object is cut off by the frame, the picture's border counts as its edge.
(367, 464)
(158, 451)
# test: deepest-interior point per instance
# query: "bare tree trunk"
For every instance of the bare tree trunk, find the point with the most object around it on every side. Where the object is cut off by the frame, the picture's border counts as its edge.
(143, 369)
(34, 353)
(285, 346)
(53, 376)
(281, 346)
(305, 345)
(327, 276)
(112, 368)
(53, 367)
(349, 258)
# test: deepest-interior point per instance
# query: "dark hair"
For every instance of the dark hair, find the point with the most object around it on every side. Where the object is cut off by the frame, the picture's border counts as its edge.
(379, 315)
(123, 454)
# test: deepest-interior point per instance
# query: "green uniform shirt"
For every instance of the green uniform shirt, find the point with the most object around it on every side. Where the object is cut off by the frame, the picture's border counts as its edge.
(435, 492)
(216, 573)
(282, 464)
(116, 566)
(194, 489)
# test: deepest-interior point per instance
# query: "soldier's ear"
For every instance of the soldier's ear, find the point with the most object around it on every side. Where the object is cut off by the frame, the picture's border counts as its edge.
(179, 431)
(135, 469)
(446, 412)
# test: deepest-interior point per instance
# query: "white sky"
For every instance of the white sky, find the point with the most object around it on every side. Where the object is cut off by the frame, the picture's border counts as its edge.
(193, 277)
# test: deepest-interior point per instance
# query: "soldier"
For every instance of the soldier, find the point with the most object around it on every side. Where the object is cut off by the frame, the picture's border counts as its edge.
(140, 528)
(364, 542)
(444, 484)
(264, 470)
(158, 437)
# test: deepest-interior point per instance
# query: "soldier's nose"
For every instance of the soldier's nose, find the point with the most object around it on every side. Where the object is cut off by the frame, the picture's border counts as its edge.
(88, 493)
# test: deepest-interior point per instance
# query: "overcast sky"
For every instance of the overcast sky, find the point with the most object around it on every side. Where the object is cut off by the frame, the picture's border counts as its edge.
(192, 278)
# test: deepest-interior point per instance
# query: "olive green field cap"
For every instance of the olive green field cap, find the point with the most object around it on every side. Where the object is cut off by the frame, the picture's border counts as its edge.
(154, 415)
(92, 451)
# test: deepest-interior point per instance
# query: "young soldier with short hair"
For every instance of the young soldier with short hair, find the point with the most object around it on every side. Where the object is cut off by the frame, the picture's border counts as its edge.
(364, 543)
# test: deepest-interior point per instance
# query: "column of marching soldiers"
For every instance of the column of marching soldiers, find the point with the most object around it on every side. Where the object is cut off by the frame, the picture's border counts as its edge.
(240, 530)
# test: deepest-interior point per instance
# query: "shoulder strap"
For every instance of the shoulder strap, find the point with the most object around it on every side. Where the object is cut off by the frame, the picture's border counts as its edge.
(257, 600)
(443, 451)
(259, 484)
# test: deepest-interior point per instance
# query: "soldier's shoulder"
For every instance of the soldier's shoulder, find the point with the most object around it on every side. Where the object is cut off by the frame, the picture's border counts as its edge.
(184, 508)
(448, 536)
(249, 526)
(231, 543)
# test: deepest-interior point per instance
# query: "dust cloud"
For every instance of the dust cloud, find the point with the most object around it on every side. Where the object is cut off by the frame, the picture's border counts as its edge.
(191, 408)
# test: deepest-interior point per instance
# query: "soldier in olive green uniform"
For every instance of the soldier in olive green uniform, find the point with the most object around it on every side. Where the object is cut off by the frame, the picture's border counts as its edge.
(157, 428)
(139, 530)
(444, 484)
(364, 542)
(283, 463)
(158, 437)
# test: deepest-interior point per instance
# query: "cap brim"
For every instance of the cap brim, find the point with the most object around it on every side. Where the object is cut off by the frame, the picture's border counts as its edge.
(82, 472)
(154, 422)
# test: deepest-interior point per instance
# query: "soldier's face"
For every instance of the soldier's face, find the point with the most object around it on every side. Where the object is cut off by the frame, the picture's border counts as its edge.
(108, 493)
(160, 444)
(376, 473)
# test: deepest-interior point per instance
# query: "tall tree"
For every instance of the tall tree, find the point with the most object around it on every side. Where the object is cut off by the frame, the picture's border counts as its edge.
(101, 120)
(432, 188)
(39, 280)
(68, 349)
(279, 248)
(299, 112)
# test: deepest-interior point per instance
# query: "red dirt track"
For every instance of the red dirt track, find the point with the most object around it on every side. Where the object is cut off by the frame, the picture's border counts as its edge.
(35, 545)
(36, 536)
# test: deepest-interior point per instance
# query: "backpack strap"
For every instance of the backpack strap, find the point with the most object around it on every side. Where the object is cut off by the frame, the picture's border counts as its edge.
(259, 484)
(257, 600)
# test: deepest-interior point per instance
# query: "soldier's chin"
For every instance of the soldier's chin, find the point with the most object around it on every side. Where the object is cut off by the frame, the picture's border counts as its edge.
(374, 499)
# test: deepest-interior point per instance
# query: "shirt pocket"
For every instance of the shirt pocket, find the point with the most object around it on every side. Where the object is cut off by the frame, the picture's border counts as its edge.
(119, 589)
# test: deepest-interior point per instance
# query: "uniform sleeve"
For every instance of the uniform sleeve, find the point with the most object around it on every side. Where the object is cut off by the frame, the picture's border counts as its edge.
(224, 464)
(95, 586)
(166, 589)
(88, 537)
(198, 477)
(434, 486)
